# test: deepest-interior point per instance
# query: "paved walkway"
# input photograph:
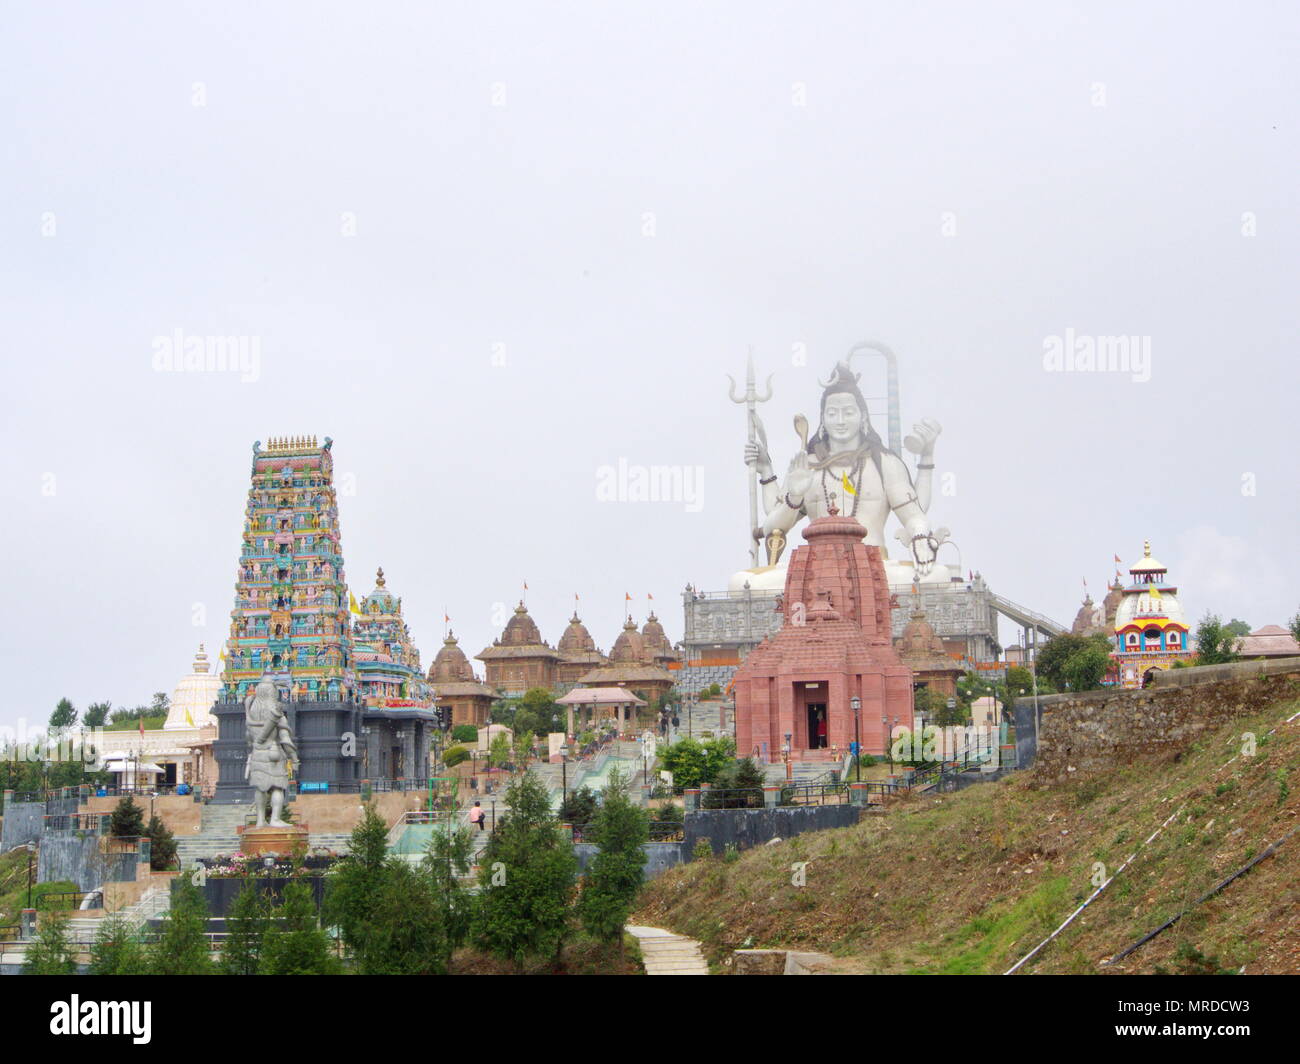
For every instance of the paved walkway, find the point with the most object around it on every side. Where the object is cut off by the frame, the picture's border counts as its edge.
(665, 953)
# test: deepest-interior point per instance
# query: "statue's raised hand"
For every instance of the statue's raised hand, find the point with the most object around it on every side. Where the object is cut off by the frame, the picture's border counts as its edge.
(800, 477)
(924, 551)
(921, 440)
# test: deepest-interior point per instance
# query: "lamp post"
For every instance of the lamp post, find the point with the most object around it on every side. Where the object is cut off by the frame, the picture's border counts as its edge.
(785, 756)
(856, 703)
(31, 854)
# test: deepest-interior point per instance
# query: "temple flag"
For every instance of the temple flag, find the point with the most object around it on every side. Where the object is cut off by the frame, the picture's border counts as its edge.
(844, 482)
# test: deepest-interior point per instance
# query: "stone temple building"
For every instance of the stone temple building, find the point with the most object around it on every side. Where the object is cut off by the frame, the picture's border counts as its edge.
(926, 655)
(578, 653)
(457, 688)
(521, 659)
(633, 666)
(834, 645)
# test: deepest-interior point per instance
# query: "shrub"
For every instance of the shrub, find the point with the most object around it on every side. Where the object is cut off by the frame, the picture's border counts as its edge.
(127, 820)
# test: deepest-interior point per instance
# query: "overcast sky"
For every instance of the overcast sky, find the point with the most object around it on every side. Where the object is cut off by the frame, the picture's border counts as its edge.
(491, 251)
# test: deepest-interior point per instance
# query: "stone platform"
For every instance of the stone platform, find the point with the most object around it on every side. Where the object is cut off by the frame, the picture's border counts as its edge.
(288, 839)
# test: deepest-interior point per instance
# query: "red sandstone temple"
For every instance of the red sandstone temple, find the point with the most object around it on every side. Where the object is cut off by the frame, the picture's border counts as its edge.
(834, 645)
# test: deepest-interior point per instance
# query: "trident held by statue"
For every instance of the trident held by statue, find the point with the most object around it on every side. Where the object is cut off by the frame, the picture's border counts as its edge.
(751, 399)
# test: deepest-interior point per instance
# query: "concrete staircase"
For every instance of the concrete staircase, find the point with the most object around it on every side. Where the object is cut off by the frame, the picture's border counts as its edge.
(218, 835)
(153, 904)
(664, 953)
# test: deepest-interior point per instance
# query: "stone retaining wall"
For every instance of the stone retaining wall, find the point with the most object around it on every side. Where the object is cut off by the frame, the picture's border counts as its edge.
(1085, 734)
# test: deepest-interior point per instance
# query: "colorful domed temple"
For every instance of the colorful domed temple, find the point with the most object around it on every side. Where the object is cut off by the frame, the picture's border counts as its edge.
(1150, 630)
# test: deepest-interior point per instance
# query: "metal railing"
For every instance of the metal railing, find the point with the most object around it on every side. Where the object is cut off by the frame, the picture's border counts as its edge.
(69, 900)
(660, 831)
(95, 822)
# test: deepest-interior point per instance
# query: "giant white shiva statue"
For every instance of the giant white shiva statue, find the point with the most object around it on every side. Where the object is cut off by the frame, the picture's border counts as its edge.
(843, 465)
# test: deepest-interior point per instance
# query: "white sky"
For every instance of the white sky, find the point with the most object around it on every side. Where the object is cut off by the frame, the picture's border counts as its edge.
(797, 161)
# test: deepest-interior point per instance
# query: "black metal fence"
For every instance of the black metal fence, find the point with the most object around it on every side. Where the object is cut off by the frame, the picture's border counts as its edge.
(69, 900)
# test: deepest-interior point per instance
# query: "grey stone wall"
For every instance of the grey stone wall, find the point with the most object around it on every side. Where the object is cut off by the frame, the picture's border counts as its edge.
(659, 856)
(75, 856)
(1092, 732)
(22, 824)
(744, 828)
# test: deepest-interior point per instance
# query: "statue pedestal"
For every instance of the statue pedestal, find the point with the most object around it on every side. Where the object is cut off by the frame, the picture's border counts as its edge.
(286, 840)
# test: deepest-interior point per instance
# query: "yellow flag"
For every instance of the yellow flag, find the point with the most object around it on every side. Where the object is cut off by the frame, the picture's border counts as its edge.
(352, 603)
(848, 488)
(1154, 592)
(189, 719)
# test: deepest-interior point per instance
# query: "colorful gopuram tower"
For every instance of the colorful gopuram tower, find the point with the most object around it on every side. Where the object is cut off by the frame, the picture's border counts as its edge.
(399, 701)
(290, 620)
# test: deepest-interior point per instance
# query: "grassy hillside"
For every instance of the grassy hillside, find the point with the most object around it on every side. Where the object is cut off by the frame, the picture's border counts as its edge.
(13, 885)
(970, 882)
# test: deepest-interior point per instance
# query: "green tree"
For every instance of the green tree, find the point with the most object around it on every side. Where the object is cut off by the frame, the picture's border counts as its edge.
(449, 859)
(1085, 669)
(162, 845)
(96, 715)
(52, 952)
(181, 947)
(1295, 627)
(693, 762)
(127, 821)
(454, 755)
(407, 934)
(241, 953)
(1053, 658)
(117, 949)
(738, 785)
(526, 877)
(160, 705)
(464, 733)
(499, 750)
(354, 885)
(64, 715)
(1215, 645)
(1019, 681)
(294, 943)
(618, 868)
(1237, 628)
(579, 807)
